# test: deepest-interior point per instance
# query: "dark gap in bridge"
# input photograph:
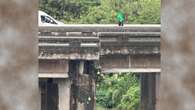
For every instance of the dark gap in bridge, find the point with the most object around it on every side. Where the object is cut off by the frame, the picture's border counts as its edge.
(148, 91)
(49, 94)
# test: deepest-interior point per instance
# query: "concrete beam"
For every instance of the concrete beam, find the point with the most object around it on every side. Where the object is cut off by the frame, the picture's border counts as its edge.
(129, 34)
(68, 45)
(128, 63)
(68, 39)
(66, 51)
(53, 66)
(53, 75)
(100, 28)
(131, 70)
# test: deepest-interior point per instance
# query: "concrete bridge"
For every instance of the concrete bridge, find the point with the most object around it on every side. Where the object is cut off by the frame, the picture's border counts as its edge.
(71, 55)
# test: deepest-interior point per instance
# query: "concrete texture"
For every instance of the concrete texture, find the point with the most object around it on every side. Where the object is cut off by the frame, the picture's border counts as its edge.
(101, 28)
(53, 66)
(64, 94)
(136, 39)
(113, 62)
(18, 55)
(145, 61)
(177, 89)
(82, 85)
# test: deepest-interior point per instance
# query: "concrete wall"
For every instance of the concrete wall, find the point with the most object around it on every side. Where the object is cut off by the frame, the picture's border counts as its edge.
(114, 61)
(145, 61)
(177, 89)
(130, 61)
(53, 66)
(18, 55)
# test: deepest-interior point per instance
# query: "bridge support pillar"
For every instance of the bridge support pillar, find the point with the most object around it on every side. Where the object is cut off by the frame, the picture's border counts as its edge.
(82, 85)
(148, 91)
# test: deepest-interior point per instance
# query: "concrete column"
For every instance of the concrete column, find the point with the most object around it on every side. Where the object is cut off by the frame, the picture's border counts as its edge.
(64, 94)
(81, 67)
(157, 89)
(148, 91)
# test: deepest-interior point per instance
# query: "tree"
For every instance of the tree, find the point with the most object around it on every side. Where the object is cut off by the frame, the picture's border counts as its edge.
(67, 11)
(121, 91)
(103, 11)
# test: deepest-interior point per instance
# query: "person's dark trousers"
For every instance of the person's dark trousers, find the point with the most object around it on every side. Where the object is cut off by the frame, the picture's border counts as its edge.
(120, 23)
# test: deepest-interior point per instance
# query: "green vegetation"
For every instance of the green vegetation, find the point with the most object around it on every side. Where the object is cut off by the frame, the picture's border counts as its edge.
(119, 91)
(103, 11)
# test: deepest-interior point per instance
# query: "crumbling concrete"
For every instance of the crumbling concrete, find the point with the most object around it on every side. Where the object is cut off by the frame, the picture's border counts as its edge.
(82, 85)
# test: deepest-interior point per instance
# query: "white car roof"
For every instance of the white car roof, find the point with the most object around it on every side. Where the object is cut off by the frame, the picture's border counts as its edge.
(42, 13)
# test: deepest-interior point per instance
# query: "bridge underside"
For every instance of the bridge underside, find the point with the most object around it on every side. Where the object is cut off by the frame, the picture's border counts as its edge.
(57, 68)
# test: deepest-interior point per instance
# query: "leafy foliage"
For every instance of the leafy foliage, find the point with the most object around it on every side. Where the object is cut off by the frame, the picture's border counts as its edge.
(102, 11)
(121, 91)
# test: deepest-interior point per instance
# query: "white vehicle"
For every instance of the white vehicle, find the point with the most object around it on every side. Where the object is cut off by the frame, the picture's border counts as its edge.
(45, 20)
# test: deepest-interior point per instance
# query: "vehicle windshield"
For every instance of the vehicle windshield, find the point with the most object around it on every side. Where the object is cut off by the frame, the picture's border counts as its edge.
(47, 19)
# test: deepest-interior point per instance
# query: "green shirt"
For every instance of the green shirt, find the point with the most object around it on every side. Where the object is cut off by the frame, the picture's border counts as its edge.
(120, 16)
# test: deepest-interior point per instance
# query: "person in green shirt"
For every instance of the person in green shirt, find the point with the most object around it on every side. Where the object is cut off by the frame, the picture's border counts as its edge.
(120, 18)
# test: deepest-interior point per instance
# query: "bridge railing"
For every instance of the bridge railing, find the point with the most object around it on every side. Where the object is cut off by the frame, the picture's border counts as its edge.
(101, 28)
(129, 42)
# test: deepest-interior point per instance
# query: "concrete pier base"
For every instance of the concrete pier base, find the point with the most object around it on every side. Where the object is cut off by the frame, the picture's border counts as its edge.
(64, 94)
